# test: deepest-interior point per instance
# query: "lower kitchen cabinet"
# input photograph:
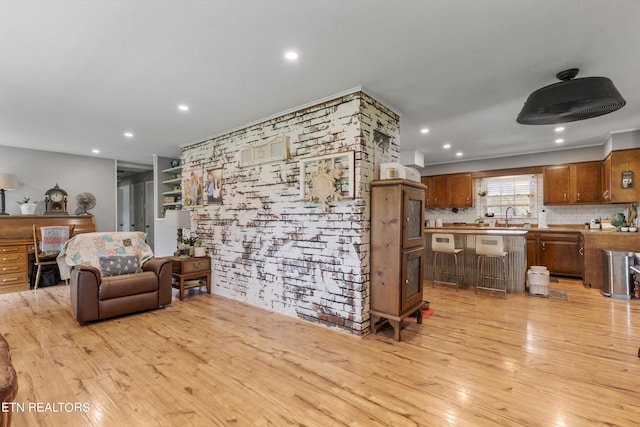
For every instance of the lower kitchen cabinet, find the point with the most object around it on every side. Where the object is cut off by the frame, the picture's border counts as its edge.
(561, 253)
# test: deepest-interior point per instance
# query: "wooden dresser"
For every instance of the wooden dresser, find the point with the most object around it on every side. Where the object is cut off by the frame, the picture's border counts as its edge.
(16, 244)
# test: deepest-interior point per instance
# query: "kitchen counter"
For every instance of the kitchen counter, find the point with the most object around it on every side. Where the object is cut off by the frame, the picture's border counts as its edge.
(474, 229)
(514, 245)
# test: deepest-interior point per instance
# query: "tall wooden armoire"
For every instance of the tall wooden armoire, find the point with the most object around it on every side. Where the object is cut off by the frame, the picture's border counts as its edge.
(397, 252)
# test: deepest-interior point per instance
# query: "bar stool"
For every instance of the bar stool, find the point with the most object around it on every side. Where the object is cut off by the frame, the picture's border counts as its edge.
(445, 244)
(491, 248)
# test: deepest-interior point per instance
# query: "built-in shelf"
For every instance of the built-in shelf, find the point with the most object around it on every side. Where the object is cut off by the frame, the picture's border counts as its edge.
(172, 194)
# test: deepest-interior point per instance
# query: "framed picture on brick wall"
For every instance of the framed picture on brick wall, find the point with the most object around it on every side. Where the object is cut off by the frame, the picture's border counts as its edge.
(192, 188)
(213, 186)
(327, 178)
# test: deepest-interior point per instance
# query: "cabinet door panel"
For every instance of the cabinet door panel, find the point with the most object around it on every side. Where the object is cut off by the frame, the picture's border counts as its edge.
(621, 162)
(412, 275)
(460, 190)
(587, 182)
(440, 191)
(427, 181)
(556, 185)
(606, 179)
(562, 255)
(413, 218)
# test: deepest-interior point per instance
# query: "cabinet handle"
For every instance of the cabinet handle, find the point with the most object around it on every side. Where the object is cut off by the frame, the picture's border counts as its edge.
(565, 197)
(581, 251)
(11, 279)
(15, 258)
(605, 195)
(578, 196)
(9, 250)
(435, 201)
(543, 246)
(9, 268)
(406, 281)
(407, 219)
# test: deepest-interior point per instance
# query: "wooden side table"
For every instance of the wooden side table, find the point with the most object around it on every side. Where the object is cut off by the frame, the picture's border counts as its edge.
(184, 269)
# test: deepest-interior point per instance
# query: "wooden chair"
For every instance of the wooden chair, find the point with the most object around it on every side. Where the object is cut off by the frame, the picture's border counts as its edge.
(42, 259)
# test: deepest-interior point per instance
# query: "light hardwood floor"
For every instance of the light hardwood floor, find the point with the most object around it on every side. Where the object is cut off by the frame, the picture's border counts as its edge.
(205, 361)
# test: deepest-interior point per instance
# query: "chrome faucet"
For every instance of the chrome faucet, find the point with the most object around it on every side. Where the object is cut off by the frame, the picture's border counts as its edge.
(506, 215)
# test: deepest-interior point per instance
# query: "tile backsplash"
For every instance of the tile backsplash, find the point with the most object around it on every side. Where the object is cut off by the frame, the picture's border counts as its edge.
(571, 214)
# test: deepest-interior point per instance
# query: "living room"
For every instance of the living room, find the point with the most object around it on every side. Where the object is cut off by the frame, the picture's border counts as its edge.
(284, 337)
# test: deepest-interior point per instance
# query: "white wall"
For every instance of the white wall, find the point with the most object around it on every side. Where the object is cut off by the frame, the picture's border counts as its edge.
(38, 171)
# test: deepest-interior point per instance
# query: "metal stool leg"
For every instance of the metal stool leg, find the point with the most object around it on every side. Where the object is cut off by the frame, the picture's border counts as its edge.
(455, 260)
(435, 257)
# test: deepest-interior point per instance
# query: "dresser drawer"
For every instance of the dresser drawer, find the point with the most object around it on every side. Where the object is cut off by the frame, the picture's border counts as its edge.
(12, 249)
(13, 282)
(191, 265)
(13, 262)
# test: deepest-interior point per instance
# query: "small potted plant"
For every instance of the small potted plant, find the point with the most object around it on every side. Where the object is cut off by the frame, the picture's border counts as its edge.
(199, 250)
(26, 207)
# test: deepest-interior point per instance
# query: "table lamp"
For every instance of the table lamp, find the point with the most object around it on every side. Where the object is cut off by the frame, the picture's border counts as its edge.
(8, 182)
(179, 219)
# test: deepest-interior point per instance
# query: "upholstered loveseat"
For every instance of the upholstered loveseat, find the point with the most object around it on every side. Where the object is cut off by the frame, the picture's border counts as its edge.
(114, 274)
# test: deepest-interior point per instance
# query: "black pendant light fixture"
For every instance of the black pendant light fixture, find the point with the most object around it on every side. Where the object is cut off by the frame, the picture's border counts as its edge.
(571, 100)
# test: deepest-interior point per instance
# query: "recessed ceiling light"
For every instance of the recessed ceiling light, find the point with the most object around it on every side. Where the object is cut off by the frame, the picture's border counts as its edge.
(128, 135)
(183, 107)
(291, 55)
(424, 130)
(559, 141)
(559, 129)
(446, 146)
(459, 154)
(95, 151)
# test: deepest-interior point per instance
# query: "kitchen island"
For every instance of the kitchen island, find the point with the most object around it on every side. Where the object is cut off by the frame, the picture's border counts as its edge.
(465, 238)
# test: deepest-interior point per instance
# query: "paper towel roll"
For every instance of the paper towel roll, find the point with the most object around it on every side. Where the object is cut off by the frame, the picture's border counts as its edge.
(542, 220)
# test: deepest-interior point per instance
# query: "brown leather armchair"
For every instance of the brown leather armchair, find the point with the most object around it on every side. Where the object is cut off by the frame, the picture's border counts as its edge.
(94, 297)
(8, 382)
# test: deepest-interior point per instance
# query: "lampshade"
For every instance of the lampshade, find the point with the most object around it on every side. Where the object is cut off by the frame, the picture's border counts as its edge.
(178, 218)
(8, 181)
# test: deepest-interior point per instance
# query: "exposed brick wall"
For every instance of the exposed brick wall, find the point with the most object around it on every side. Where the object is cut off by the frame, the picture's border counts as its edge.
(273, 250)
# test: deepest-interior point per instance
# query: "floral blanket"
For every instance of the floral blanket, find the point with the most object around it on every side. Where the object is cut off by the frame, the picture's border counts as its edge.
(88, 248)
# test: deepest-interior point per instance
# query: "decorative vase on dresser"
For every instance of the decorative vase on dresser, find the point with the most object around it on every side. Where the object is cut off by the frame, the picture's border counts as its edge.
(397, 252)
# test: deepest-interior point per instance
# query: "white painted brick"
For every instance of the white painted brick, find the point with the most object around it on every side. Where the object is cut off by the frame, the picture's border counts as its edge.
(271, 249)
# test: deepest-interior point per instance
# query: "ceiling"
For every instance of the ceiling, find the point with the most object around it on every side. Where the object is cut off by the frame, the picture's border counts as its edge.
(76, 75)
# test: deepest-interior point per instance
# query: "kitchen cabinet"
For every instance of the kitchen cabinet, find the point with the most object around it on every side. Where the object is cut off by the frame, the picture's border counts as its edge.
(427, 181)
(575, 183)
(449, 191)
(397, 252)
(561, 252)
(617, 163)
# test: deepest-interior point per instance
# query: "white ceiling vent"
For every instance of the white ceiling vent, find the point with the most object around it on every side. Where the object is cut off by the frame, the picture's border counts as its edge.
(412, 158)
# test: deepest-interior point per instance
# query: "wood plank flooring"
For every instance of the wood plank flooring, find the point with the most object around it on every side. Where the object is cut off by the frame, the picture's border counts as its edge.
(208, 361)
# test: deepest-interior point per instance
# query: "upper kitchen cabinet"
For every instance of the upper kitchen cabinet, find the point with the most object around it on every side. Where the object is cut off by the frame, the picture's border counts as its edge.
(449, 191)
(461, 190)
(427, 181)
(575, 183)
(618, 176)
